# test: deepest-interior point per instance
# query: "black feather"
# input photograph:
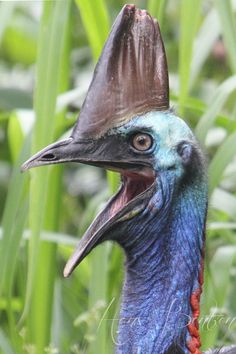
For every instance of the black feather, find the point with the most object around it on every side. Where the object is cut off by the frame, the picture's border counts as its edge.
(174, 349)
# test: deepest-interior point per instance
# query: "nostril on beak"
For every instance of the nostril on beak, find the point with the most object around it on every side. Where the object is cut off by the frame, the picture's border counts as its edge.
(48, 157)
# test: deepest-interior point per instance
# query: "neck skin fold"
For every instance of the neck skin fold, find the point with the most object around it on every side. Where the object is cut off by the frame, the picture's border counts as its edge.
(164, 257)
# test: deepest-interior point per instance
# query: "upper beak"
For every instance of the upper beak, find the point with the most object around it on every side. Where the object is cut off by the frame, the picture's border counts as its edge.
(63, 151)
(97, 152)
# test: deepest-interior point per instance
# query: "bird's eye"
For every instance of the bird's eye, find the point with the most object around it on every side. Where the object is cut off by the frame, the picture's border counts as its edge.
(142, 141)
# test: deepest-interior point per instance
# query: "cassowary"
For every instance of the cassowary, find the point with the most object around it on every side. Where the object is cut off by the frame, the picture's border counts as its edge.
(158, 216)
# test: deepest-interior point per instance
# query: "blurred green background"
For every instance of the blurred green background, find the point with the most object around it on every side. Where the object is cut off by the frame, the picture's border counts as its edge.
(48, 50)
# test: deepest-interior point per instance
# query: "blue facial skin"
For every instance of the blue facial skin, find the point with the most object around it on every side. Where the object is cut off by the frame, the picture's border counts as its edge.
(164, 243)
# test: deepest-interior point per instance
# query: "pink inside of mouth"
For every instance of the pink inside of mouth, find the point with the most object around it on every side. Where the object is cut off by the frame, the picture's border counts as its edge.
(133, 185)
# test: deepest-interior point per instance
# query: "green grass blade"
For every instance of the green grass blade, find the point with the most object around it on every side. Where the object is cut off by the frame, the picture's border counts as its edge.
(203, 43)
(47, 261)
(222, 158)
(15, 136)
(50, 236)
(228, 26)
(12, 219)
(156, 9)
(98, 295)
(216, 290)
(6, 10)
(113, 181)
(221, 226)
(190, 13)
(215, 105)
(50, 53)
(5, 344)
(224, 201)
(95, 19)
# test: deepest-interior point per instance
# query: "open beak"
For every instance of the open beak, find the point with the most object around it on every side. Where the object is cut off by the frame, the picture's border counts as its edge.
(136, 189)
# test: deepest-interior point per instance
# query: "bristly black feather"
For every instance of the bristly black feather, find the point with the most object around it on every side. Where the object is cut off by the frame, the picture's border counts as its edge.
(174, 349)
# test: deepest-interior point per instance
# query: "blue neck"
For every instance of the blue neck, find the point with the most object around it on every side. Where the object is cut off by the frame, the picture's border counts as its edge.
(163, 250)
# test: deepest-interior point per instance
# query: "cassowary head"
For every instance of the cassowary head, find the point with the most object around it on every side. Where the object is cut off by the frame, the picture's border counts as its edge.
(158, 214)
(125, 125)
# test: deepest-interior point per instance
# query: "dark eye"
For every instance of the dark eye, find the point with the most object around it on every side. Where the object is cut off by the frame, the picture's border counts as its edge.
(142, 141)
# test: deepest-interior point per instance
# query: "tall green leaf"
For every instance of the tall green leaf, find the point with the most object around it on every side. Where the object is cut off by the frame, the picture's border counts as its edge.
(228, 26)
(6, 10)
(156, 9)
(224, 201)
(203, 43)
(215, 105)
(95, 19)
(222, 158)
(216, 290)
(13, 222)
(5, 344)
(189, 13)
(40, 279)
